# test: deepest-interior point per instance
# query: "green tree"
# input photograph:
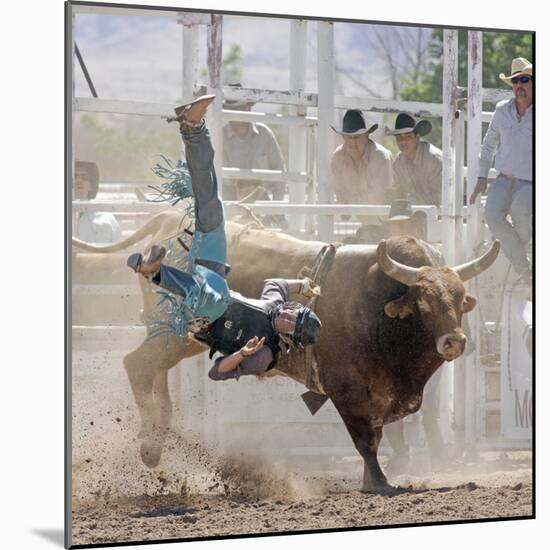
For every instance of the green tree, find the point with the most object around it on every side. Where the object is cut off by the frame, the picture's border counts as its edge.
(499, 48)
(231, 70)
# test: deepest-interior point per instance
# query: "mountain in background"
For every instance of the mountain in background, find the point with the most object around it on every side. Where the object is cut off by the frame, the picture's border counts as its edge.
(139, 58)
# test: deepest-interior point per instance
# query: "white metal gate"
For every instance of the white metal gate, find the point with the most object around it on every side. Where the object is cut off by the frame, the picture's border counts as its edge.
(312, 144)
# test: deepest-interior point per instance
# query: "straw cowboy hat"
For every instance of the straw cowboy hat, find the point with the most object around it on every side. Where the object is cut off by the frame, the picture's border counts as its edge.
(353, 124)
(405, 123)
(237, 104)
(400, 209)
(520, 67)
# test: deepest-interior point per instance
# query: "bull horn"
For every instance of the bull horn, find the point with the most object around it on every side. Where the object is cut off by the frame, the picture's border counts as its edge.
(473, 268)
(400, 272)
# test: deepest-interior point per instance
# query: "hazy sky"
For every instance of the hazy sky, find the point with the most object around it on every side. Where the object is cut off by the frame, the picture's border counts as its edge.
(139, 58)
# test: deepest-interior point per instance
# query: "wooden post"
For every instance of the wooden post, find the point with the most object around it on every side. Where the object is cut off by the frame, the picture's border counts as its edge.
(475, 108)
(458, 225)
(190, 60)
(450, 77)
(475, 114)
(297, 134)
(458, 232)
(214, 113)
(325, 115)
(214, 122)
(189, 74)
(449, 206)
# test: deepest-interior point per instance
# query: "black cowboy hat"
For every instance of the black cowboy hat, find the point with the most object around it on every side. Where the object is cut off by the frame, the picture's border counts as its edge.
(405, 123)
(353, 124)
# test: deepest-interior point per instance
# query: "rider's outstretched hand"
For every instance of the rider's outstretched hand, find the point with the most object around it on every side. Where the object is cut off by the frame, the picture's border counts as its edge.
(252, 346)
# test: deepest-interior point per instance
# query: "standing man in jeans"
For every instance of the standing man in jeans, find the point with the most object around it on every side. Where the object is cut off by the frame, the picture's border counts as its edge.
(510, 137)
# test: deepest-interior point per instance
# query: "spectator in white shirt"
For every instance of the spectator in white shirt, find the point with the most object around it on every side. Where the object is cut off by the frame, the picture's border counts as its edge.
(509, 141)
(250, 145)
(91, 226)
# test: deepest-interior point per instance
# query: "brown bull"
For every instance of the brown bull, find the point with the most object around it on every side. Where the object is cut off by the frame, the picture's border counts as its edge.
(390, 317)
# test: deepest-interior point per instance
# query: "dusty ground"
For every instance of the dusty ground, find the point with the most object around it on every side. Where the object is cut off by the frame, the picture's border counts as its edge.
(196, 492)
(207, 515)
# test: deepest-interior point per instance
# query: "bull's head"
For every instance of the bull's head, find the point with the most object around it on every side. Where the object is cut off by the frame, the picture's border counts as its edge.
(437, 295)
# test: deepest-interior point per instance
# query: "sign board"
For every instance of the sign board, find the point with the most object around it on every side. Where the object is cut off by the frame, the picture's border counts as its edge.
(516, 367)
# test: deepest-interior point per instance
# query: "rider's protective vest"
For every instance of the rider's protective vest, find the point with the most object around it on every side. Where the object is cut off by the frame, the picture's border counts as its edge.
(243, 319)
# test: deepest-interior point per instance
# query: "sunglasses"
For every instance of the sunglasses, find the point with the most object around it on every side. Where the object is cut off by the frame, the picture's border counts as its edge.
(522, 79)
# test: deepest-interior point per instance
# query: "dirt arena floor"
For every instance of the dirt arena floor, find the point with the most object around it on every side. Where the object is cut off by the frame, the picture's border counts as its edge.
(197, 492)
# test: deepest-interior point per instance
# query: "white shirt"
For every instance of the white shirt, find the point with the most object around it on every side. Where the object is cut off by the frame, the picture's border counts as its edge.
(257, 149)
(365, 182)
(98, 227)
(511, 138)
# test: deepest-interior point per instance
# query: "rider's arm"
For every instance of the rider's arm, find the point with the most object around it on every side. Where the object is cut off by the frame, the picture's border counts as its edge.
(280, 290)
(294, 285)
(257, 363)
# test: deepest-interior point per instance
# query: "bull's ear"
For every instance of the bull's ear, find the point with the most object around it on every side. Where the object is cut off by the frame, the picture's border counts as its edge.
(469, 303)
(397, 307)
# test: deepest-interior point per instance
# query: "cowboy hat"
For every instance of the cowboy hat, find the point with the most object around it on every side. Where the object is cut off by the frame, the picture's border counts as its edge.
(520, 66)
(237, 104)
(405, 123)
(353, 124)
(400, 209)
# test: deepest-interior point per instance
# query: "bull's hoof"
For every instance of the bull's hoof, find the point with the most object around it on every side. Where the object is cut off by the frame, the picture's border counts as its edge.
(382, 489)
(150, 453)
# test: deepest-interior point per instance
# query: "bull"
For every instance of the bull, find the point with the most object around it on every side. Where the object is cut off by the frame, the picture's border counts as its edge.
(391, 317)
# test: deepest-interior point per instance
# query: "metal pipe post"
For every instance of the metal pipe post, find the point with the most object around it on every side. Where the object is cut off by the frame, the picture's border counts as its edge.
(450, 78)
(214, 113)
(475, 117)
(449, 206)
(190, 60)
(325, 115)
(297, 134)
(458, 199)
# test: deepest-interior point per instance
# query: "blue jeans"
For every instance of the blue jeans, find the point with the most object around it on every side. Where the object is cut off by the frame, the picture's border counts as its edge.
(205, 291)
(514, 198)
(199, 155)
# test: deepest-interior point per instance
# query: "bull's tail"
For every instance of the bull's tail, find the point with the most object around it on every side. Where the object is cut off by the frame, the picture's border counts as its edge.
(148, 230)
